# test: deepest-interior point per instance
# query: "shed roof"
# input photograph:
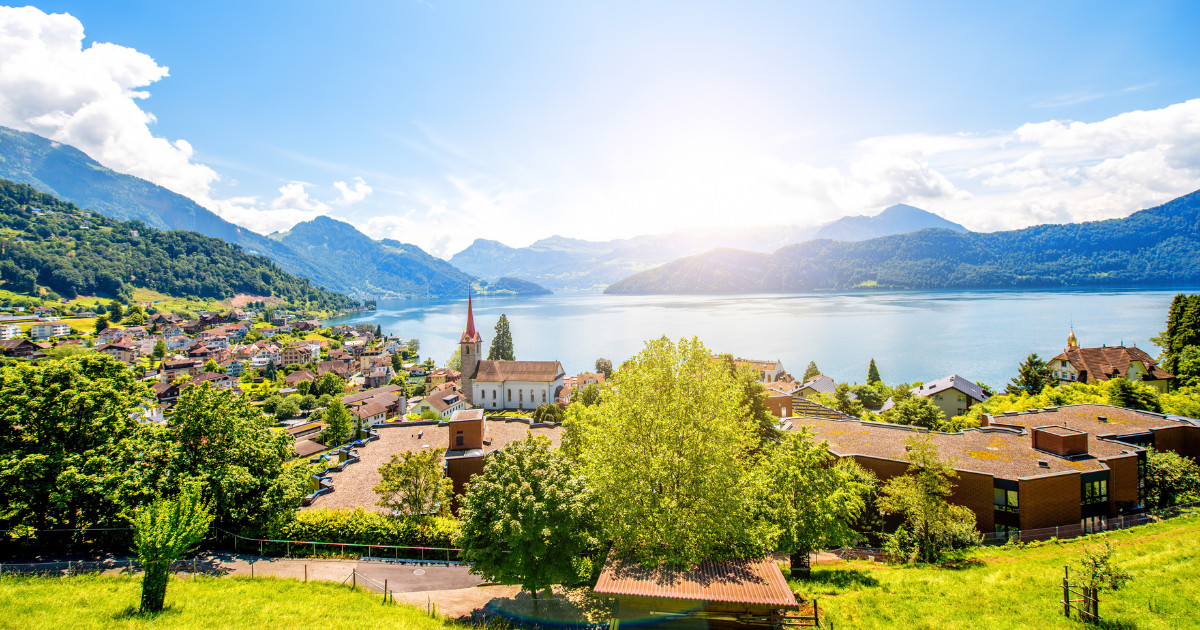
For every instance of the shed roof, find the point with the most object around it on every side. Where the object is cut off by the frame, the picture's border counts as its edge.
(747, 581)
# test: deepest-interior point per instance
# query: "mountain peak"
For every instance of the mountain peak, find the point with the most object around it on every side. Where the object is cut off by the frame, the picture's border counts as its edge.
(900, 218)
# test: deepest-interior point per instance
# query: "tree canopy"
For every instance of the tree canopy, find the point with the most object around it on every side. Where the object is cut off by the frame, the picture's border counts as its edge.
(669, 455)
(415, 484)
(1032, 377)
(932, 526)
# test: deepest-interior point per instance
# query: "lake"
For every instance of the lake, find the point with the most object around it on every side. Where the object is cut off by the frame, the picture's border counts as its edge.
(912, 335)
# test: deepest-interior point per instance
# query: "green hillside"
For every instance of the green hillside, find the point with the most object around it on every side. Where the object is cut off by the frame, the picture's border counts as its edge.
(46, 242)
(1018, 588)
(1155, 247)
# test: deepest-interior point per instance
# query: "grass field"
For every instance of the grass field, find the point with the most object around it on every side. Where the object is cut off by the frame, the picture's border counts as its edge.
(102, 602)
(1006, 587)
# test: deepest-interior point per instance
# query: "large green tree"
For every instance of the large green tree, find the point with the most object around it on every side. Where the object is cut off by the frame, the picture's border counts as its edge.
(917, 411)
(931, 526)
(528, 519)
(1170, 479)
(415, 484)
(1124, 393)
(873, 373)
(338, 423)
(605, 367)
(224, 443)
(1032, 377)
(670, 456)
(72, 451)
(502, 344)
(811, 371)
(811, 501)
(164, 531)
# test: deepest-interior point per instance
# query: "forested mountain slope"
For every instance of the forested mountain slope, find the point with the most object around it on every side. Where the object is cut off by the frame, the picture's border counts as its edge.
(51, 243)
(1159, 246)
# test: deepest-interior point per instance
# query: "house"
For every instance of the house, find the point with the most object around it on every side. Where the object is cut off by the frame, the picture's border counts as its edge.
(722, 595)
(109, 335)
(337, 367)
(44, 311)
(9, 331)
(177, 342)
(166, 392)
(191, 326)
(1068, 467)
(767, 371)
(443, 400)
(218, 380)
(49, 330)
(306, 325)
(953, 394)
(234, 368)
(165, 319)
(818, 384)
(467, 432)
(123, 351)
(137, 333)
(170, 330)
(268, 331)
(299, 376)
(17, 348)
(300, 353)
(1092, 365)
(391, 397)
(170, 370)
(377, 377)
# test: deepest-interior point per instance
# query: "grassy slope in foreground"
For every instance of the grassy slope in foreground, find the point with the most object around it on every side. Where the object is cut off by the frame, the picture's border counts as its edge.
(103, 602)
(1019, 588)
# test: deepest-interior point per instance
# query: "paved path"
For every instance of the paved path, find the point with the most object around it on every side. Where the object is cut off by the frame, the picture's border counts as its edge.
(400, 577)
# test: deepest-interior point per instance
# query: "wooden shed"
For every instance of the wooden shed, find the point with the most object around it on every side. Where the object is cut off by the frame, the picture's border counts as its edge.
(726, 595)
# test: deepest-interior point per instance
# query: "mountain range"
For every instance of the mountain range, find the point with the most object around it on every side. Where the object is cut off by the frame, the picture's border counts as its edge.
(566, 264)
(352, 263)
(1155, 247)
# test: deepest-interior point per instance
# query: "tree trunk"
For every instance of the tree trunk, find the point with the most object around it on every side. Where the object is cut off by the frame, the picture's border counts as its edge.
(801, 564)
(154, 585)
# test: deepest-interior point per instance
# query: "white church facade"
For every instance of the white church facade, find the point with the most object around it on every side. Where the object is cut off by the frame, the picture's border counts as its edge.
(505, 385)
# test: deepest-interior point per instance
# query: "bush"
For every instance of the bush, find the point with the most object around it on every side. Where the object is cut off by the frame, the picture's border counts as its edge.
(368, 527)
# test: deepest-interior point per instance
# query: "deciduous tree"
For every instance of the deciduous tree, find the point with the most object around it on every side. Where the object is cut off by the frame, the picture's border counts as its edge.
(604, 366)
(1171, 479)
(165, 531)
(669, 457)
(528, 520)
(415, 484)
(932, 526)
(810, 501)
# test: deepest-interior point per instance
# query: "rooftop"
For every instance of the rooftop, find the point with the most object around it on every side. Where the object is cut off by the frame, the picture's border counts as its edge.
(750, 581)
(1099, 420)
(529, 371)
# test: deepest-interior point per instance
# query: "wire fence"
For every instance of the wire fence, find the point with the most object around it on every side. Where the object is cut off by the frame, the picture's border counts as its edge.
(1075, 530)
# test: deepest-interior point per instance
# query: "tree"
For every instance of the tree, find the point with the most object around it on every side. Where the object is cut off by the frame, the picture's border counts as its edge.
(116, 311)
(754, 400)
(223, 442)
(548, 412)
(604, 366)
(502, 344)
(669, 457)
(868, 395)
(1033, 375)
(212, 366)
(72, 452)
(270, 371)
(931, 526)
(1170, 479)
(415, 484)
(917, 411)
(527, 519)
(1097, 570)
(811, 371)
(810, 501)
(1124, 393)
(414, 346)
(455, 361)
(160, 349)
(397, 362)
(289, 408)
(165, 531)
(873, 373)
(101, 324)
(337, 423)
(135, 316)
(329, 383)
(589, 395)
(846, 402)
(378, 331)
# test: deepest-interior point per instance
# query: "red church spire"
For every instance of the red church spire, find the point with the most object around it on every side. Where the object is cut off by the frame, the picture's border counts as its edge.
(470, 335)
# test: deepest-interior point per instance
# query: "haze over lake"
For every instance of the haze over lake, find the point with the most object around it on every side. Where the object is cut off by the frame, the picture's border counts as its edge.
(912, 335)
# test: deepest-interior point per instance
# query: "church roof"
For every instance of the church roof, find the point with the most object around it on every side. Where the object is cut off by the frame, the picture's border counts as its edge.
(531, 371)
(470, 336)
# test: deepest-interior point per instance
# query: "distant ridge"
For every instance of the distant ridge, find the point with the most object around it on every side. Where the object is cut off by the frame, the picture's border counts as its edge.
(1156, 247)
(898, 219)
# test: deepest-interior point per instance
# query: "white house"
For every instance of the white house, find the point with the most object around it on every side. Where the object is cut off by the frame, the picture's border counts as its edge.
(49, 330)
(9, 331)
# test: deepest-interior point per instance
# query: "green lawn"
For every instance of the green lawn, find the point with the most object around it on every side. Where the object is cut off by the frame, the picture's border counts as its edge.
(103, 602)
(1005, 587)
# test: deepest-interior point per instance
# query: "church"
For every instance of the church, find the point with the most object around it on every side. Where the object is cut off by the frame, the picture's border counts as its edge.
(504, 385)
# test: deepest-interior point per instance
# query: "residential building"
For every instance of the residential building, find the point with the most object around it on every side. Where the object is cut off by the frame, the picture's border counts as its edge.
(299, 376)
(390, 398)
(218, 380)
(300, 353)
(17, 348)
(49, 330)
(9, 331)
(953, 394)
(170, 370)
(123, 351)
(767, 371)
(1092, 365)
(444, 400)
(1072, 466)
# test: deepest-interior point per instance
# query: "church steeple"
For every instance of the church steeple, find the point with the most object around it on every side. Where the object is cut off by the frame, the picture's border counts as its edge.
(470, 335)
(469, 347)
(1072, 342)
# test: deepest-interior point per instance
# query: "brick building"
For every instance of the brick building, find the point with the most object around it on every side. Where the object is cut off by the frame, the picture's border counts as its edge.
(1055, 467)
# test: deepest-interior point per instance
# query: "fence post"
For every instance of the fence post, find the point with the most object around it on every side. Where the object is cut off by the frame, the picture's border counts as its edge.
(1066, 592)
(353, 578)
(260, 547)
(306, 572)
(385, 590)
(1095, 605)
(252, 569)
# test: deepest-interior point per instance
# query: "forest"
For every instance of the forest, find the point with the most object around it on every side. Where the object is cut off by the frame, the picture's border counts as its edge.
(46, 242)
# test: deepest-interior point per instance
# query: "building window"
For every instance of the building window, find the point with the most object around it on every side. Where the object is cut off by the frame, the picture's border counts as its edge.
(962, 398)
(1005, 500)
(1095, 492)
(543, 395)
(510, 395)
(937, 397)
(1006, 532)
(458, 439)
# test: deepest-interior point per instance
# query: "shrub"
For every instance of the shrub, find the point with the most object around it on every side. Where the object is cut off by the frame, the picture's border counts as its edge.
(368, 527)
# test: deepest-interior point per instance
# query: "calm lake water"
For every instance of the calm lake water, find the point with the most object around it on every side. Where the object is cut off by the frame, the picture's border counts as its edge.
(912, 335)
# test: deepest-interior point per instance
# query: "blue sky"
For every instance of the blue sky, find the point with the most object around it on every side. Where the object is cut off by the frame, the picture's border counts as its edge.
(444, 122)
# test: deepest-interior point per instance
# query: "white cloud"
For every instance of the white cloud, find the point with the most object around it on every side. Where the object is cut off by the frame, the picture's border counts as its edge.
(351, 194)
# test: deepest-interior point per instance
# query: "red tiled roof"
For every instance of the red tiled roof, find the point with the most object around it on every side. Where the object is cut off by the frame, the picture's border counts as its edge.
(1108, 362)
(531, 371)
(750, 581)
